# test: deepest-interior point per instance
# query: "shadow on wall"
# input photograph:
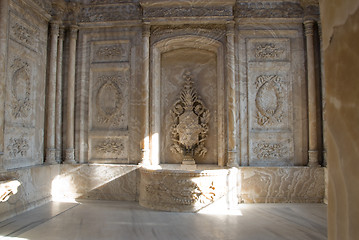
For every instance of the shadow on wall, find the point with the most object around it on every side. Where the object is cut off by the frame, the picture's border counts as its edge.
(100, 182)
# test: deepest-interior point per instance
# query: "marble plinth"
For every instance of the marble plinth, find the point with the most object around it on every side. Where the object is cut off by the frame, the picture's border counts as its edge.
(173, 187)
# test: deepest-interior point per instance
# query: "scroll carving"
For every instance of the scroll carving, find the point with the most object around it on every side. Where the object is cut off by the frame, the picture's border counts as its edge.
(110, 13)
(21, 89)
(269, 100)
(269, 150)
(268, 10)
(109, 51)
(268, 51)
(190, 123)
(18, 147)
(187, 11)
(182, 192)
(110, 146)
(23, 34)
(109, 100)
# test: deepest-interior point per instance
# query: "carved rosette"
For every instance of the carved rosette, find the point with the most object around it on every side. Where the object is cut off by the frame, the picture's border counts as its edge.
(269, 100)
(190, 123)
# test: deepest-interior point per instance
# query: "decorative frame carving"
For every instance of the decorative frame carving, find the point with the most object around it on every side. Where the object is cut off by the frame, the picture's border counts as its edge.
(21, 105)
(190, 123)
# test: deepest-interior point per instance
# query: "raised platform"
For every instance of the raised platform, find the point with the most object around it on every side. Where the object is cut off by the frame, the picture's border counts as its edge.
(191, 188)
(173, 187)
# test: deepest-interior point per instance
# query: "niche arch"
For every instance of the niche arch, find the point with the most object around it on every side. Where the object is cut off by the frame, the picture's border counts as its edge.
(157, 51)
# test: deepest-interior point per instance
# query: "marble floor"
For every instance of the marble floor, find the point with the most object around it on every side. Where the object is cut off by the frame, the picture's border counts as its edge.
(95, 220)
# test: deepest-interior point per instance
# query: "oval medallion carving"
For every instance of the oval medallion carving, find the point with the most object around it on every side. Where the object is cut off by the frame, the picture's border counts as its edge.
(267, 99)
(21, 89)
(109, 99)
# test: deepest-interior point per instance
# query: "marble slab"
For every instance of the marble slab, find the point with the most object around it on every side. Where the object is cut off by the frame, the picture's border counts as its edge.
(281, 185)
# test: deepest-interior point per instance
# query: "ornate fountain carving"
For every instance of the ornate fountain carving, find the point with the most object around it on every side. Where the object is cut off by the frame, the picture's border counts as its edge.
(190, 123)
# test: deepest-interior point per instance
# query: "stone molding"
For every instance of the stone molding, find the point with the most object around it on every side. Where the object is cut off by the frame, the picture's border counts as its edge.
(268, 10)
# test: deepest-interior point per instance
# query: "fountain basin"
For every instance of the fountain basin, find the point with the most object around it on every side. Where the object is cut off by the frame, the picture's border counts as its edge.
(187, 188)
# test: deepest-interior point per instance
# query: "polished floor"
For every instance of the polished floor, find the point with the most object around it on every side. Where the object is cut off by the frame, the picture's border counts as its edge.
(105, 220)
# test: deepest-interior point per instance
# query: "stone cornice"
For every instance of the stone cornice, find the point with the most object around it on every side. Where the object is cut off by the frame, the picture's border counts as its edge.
(268, 10)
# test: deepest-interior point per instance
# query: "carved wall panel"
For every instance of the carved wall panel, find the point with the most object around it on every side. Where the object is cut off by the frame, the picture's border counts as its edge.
(110, 51)
(108, 126)
(271, 150)
(260, 49)
(110, 99)
(271, 89)
(25, 87)
(269, 101)
(24, 33)
(19, 147)
(203, 67)
(109, 149)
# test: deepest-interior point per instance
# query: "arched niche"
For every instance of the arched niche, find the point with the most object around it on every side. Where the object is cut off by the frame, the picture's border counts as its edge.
(170, 59)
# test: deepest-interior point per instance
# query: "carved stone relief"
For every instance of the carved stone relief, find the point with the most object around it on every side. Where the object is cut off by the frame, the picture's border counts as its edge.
(265, 50)
(190, 123)
(202, 65)
(110, 146)
(21, 105)
(110, 100)
(269, 100)
(18, 147)
(110, 52)
(268, 10)
(109, 149)
(271, 150)
(187, 11)
(110, 13)
(23, 33)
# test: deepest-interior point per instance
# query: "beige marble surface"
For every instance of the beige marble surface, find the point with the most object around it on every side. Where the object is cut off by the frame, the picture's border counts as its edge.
(102, 181)
(281, 185)
(34, 190)
(341, 56)
(93, 220)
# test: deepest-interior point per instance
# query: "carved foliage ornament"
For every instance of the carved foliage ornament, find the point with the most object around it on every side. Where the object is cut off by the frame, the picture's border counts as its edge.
(269, 99)
(110, 146)
(109, 99)
(267, 51)
(181, 192)
(21, 89)
(18, 147)
(269, 150)
(190, 122)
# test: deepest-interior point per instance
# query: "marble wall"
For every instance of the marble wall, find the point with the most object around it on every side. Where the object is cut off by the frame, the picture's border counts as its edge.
(107, 100)
(25, 86)
(340, 33)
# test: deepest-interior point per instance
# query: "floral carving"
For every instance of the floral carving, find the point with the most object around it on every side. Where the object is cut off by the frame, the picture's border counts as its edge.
(187, 11)
(190, 123)
(109, 51)
(23, 34)
(269, 99)
(110, 13)
(111, 146)
(21, 89)
(269, 150)
(268, 51)
(268, 10)
(109, 100)
(18, 147)
(182, 192)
